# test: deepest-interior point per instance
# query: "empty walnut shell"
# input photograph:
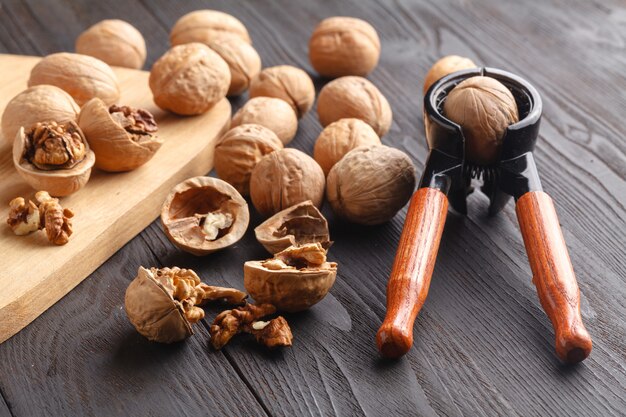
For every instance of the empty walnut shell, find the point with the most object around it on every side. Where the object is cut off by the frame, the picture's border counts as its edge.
(115, 42)
(243, 61)
(370, 184)
(189, 79)
(339, 138)
(206, 26)
(344, 46)
(67, 167)
(284, 178)
(202, 215)
(122, 138)
(295, 226)
(81, 76)
(354, 97)
(294, 280)
(238, 152)
(286, 83)
(273, 113)
(484, 108)
(37, 104)
(446, 66)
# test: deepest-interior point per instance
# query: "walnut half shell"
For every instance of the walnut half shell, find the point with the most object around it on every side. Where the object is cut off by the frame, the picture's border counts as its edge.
(202, 215)
(297, 225)
(294, 280)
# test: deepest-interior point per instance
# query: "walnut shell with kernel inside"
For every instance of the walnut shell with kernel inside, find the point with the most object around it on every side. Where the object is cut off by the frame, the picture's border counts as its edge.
(287, 83)
(206, 26)
(370, 184)
(273, 113)
(354, 97)
(115, 42)
(446, 66)
(202, 215)
(243, 61)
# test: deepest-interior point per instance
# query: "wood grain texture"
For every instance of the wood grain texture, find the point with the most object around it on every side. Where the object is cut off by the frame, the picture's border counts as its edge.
(553, 274)
(485, 346)
(412, 270)
(110, 210)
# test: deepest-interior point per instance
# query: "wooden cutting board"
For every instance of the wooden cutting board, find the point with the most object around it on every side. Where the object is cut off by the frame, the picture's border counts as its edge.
(109, 211)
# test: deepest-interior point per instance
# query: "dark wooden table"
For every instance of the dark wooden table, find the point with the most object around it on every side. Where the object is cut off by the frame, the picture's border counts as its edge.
(483, 344)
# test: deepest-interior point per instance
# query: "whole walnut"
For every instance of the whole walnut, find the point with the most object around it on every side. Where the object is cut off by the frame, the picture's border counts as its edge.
(115, 42)
(284, 178)
(243, 61)
(446, 66)
(37, 104)
(206, 26)
(189, 79)
(238, 152)
(484, 108)
(82, 77)
(354, 97)
(287, 83)
(370, 184)
(344, 46)
(339, 138)
(273, 113)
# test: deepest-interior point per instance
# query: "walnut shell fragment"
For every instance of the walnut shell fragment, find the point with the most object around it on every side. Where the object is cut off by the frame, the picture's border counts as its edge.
(162, 304)
(189, 79)
(202, 215)
(370, 184)
(81, 76)
(484, 108)
(446, 66)
(273, 113)
(115, 42)
(287, 83)
(206, 26)
(293, 280)
(40, 103)
(354, 97)
(295, 226)
(123, 138)
(53, 157)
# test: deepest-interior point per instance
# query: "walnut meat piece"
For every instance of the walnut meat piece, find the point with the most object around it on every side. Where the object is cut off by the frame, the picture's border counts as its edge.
(484, 108)
(297, 225)
(206, 26)
(189, 79)
(446, 66)
(287, 83)
(344, 46)
(238, 152)
(294, 280)
(162, 304)
(122, 137)
(41, 103)
(339, 138)
(23, 216)
(81, 76)
(370, 184)
(55, 219)
(284, 178)
(54, 157)
(243, 61)
(273, 113)
(115, 42)
(354, 97)
(202, 215)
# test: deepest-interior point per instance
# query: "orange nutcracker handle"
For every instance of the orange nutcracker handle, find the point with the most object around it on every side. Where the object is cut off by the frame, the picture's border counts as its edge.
(412, 269)
(553, 274)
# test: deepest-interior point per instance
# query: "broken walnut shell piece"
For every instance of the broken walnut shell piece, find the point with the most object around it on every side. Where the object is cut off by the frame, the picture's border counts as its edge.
(53, 157)
(162, 304)
(202, 215)
(297, 225)
(122, 137)
(294, 280)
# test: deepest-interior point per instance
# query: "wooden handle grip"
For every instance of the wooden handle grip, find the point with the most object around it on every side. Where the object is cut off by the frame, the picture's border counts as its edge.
(553, 274)
(412, 270)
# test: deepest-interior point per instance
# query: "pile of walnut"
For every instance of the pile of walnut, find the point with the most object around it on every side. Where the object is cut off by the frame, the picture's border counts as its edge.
(28, 217)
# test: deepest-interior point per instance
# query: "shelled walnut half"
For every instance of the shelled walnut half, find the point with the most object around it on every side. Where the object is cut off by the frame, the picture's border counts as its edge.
(54, 157)
(162, 304)
(293, 280)
(296, 225)
(122, 137)
(202, 215)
